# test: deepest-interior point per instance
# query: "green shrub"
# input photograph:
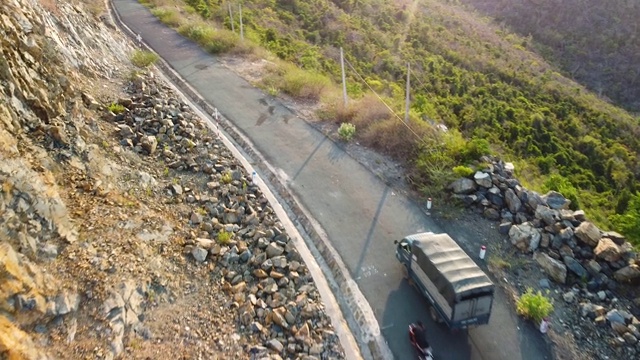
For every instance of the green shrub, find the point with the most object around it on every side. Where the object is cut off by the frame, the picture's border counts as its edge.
(226, 178)
(222, 42)
(224, 237)
(143, 59)
(199, 33)
(628, 223)
(116, 108)
(201, 7)
(534, 306)
(347, 131)
(463, 171)
(213, 40)
(189, 9)
(167, 16)
(475, 148)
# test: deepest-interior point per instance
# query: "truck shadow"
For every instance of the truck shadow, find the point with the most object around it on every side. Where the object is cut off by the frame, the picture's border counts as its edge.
(405, 306)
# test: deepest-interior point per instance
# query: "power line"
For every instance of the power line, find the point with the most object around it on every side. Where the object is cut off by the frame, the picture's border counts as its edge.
(385, 104)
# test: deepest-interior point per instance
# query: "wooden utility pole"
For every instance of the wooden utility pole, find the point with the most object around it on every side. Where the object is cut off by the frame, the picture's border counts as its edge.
(406, 107)
(231, 18)
(344, 81)
(241, 27)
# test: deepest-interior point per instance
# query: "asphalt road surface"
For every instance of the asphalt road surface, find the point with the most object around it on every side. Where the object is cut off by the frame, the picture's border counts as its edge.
(360, 214)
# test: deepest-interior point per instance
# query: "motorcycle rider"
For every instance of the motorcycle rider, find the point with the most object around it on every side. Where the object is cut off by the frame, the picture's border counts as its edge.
(420, 334)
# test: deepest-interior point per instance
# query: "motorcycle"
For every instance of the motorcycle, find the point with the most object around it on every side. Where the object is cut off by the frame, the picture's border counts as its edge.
(423, 353)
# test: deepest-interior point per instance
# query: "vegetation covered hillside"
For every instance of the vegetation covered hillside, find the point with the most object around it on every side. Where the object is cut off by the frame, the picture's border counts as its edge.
(482, 82)
(596, 42)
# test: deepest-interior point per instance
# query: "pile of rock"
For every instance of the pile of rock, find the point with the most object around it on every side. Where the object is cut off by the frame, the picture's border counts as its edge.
(570, 249)
(564, 243)
(234, 229)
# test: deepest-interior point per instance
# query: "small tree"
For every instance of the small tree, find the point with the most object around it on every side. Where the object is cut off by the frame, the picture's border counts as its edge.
(534, 306)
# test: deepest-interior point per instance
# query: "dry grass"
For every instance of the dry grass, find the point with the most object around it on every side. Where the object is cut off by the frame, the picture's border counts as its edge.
(394, 138)
(369, 110)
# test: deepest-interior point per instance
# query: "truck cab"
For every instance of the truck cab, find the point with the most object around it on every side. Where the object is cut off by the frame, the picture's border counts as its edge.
(403, 251)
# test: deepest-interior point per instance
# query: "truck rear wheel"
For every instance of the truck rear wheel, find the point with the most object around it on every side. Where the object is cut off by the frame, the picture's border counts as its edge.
(405, 272)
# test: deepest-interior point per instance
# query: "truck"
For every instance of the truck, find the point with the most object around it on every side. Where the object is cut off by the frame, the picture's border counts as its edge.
(460, 294)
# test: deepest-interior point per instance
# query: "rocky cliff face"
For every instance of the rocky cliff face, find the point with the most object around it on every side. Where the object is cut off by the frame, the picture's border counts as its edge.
(127, 229)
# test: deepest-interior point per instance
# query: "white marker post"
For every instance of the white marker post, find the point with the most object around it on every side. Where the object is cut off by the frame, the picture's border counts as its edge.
(429, 206)
(254, 176)
(483, 251)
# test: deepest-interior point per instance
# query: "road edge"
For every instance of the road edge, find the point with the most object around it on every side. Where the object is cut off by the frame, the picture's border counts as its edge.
(354, 307)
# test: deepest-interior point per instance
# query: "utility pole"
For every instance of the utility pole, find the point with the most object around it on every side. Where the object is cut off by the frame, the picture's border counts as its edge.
(406, 107)
(344, 81)
(241, 27)
(231, 18)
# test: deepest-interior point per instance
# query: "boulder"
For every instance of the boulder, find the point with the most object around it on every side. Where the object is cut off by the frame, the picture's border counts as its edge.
(533, 199)
(483, 179)
(629, 338)
(149, 143)
(588, 233)
(199, 254)
(513, 202)
(575, 267)
(556, 270)
(614, 316)
(620, 329)
(617, 238)
(545, 240)
(628, 274)
(566, 235)
(548, 215)
(592, 310)
(463, 186)
(274, 250)
(505, 227)
(467, 200)
(607, 250)
(579, 215)
(494, 195)
(509, 168)
(593, 267)
(569, 297)
(525, 236)
(491, 214)
(275, 345)
(555, 200)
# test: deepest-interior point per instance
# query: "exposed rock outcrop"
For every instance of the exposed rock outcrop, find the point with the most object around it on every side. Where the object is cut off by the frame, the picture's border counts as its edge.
(133, 233)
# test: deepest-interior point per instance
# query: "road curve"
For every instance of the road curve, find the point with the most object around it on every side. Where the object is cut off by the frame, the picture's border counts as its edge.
(359, 214)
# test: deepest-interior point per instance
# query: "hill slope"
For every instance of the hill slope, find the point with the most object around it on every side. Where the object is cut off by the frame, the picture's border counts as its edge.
(595, 42)
(467, 73)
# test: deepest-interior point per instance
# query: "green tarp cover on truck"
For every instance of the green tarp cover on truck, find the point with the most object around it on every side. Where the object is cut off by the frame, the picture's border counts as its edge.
(455, 275)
